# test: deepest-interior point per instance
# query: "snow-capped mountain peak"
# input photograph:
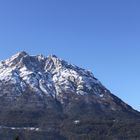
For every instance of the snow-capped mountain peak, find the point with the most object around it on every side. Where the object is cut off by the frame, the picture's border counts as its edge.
(51, 77)
(46, 93)
(46, 75)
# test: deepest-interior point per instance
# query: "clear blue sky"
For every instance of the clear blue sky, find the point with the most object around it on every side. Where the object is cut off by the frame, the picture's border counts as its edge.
(100, 35)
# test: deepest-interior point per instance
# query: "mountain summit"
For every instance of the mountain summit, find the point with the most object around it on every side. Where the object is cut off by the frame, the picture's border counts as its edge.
(45, 91)
(51, 77)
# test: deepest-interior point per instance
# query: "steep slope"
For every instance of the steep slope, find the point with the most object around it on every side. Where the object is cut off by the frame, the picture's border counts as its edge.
(45, 92)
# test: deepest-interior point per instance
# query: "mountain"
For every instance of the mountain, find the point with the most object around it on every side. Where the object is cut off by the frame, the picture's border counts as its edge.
(48, 98)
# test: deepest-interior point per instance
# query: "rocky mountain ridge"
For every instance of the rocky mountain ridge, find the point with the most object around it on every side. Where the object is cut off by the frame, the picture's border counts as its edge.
(50, 76)
(57, 99)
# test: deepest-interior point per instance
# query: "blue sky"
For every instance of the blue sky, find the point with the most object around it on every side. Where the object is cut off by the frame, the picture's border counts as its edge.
(100, 35)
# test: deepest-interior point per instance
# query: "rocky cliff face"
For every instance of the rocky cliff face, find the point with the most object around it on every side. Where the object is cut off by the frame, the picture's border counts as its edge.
(37, 89)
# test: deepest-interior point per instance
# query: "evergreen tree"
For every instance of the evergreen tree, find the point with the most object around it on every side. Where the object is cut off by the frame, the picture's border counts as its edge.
(16, 138)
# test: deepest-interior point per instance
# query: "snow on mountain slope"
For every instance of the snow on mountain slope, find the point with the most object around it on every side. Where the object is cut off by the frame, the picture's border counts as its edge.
(55, 78)
(49, 75)
(45, 96)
